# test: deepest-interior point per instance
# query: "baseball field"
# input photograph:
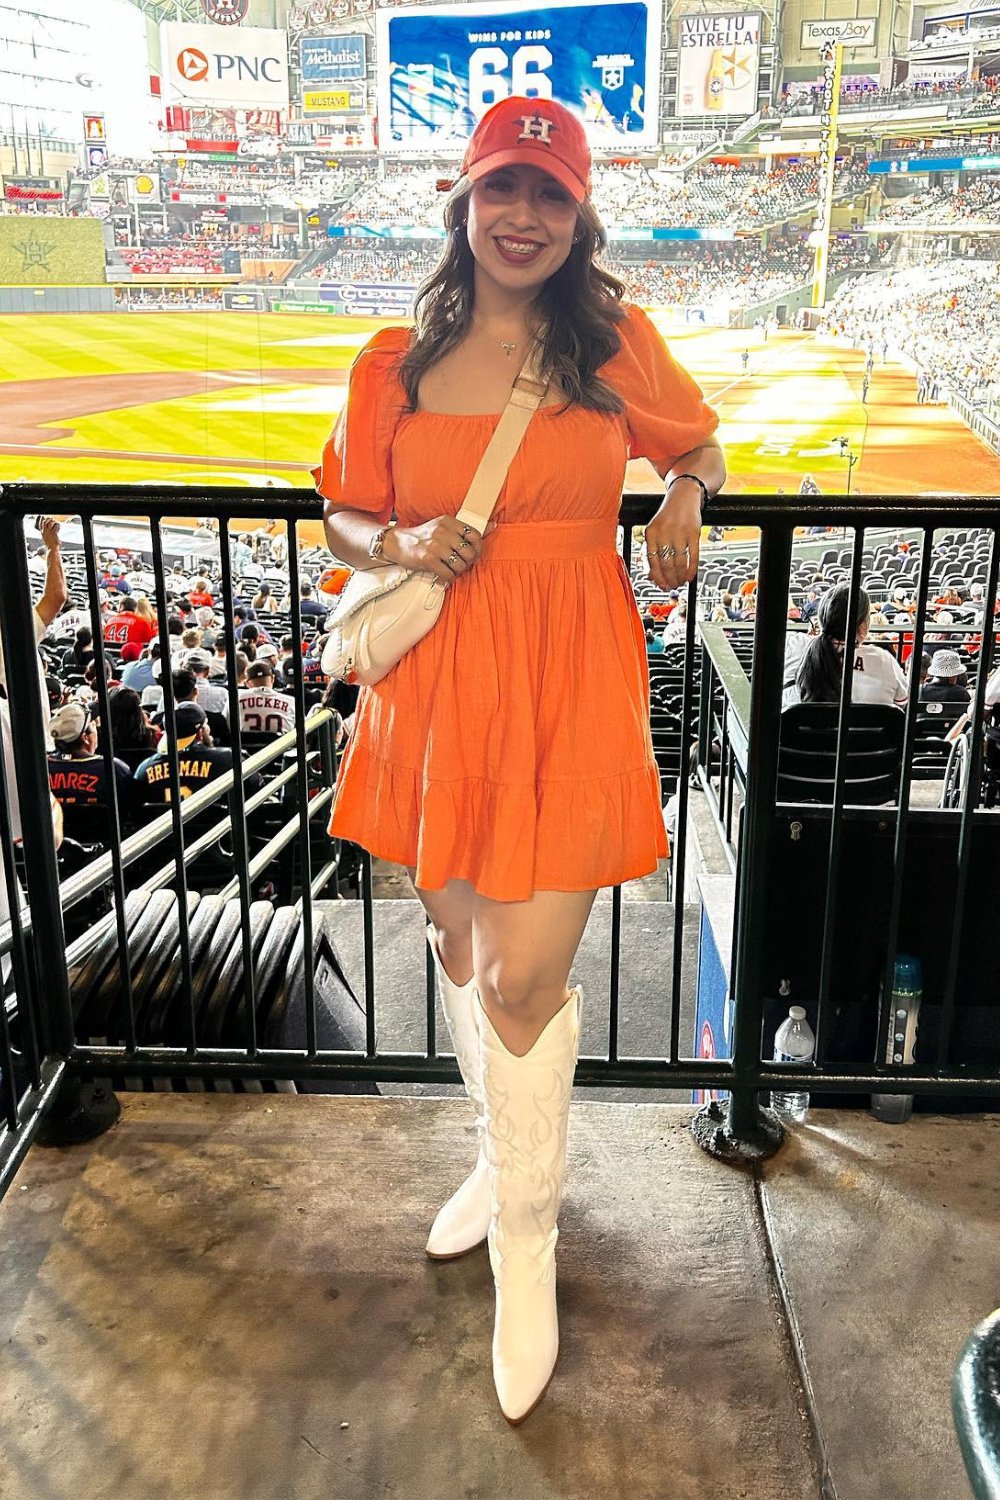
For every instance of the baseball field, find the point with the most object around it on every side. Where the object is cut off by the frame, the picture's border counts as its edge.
(234, 398)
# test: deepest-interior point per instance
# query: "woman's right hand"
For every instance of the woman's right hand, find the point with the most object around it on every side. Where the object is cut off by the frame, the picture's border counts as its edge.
(428, 548)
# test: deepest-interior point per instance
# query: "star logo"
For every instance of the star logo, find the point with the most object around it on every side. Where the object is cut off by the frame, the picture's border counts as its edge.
(35, 253)
(735, 61)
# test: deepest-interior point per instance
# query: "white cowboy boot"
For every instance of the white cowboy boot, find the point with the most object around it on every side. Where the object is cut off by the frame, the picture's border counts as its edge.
(463, 1221)
(527, 1111)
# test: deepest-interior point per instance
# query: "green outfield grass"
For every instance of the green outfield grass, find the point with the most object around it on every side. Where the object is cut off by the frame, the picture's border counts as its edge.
(223, 398)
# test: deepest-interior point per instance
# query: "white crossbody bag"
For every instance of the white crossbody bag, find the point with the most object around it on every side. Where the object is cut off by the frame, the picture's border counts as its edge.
(385, 610)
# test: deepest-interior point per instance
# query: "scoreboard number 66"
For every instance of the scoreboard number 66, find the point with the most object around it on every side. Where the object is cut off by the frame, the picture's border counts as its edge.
(488, 75)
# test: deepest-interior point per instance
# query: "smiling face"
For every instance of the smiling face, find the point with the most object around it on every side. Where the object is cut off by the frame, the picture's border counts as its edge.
(520, 227)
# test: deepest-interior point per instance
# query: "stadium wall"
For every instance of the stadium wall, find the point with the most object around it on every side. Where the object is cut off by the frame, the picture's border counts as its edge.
(56, 299)
(46, 251)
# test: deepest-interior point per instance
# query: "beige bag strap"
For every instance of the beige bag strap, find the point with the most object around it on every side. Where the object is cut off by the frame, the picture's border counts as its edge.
(526, 396)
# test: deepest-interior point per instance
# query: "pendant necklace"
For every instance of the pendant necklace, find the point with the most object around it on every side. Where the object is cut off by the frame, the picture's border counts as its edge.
(507, 345)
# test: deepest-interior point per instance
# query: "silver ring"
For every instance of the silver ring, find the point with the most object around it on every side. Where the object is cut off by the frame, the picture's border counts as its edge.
(452, 555)
(666, 552)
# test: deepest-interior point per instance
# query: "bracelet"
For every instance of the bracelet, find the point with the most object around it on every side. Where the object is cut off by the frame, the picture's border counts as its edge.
(699, 482)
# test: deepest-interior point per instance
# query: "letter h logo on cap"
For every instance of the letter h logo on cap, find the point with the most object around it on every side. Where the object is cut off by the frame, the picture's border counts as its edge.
(536, 128)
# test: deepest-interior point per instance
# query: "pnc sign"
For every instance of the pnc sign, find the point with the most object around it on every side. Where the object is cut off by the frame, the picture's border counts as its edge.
(248, 68)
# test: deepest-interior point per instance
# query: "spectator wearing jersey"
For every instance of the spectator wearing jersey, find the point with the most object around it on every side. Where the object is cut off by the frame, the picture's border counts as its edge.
(199, 761)
(877, 675)
(263, 708)
(201, 594)
(78, 776)
(127, 625)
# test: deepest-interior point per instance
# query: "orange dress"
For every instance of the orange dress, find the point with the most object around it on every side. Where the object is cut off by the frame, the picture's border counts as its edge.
(511, 746)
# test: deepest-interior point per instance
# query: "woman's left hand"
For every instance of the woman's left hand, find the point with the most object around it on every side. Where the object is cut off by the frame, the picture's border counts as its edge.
(677, 524)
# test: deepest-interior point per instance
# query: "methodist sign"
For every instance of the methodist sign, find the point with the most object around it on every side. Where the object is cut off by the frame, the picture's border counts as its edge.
(440, 67)
(239, 67)
(332, 59)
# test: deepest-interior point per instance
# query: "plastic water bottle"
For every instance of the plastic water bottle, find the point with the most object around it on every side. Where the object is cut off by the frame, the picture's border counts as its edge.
(907, 994)
(794, 1042)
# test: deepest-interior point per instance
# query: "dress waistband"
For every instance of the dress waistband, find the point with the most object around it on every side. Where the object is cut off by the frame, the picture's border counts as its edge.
(541, 541)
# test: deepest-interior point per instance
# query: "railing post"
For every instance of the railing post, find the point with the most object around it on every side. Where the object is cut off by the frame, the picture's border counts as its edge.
(80, 1110)
(742, 1131)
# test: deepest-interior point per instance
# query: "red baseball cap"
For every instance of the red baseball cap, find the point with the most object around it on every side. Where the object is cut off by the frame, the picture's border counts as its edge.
(534, 133)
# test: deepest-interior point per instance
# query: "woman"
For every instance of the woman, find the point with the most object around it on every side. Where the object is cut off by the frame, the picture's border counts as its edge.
(132, 735)
(473, 762)
(145, 610)
(878, 677)
(79, 656)
(264, 600)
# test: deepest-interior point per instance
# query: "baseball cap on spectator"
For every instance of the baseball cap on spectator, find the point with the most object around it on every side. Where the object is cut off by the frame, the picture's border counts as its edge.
(260, 671)
(131, 651)
(946, 664)
(68, 723)
(943, 617)
(267, 651)
(54, 688)
(188, 718)
(535, 133)
(198, 660)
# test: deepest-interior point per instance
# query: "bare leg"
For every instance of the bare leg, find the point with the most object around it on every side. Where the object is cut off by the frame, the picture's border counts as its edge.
(450, 910)
(523, 952)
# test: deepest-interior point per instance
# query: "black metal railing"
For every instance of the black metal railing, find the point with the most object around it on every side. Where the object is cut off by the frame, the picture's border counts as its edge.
(738, 739)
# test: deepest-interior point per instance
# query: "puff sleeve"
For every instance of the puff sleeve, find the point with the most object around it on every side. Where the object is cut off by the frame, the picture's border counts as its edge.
(665, 411)
(355, 471)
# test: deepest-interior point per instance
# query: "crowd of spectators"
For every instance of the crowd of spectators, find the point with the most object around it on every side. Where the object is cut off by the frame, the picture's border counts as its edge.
(628, 195)
(943, 319)
(864, 93)
(976, 203)
(168, 299)
(204, 638)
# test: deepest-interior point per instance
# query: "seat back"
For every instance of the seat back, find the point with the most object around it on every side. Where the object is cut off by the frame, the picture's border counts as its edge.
(807, 753)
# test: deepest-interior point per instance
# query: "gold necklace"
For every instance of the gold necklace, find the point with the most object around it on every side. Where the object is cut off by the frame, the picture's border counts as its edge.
(507, 345)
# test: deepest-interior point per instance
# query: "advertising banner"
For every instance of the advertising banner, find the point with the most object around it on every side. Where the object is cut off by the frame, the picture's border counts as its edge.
(853, 33)
(253, 300)
(332, 59)
(237, 66)
(373, 299)
(345, 101)
(440, 67)
(717, 64)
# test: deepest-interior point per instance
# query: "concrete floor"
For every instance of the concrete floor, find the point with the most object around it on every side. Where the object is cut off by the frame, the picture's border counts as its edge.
(226, 1297)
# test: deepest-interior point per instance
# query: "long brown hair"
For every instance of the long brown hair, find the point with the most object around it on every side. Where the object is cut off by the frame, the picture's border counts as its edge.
(578, 306)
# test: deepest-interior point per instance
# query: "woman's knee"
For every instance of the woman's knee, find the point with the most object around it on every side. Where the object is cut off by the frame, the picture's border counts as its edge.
(519, 992)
